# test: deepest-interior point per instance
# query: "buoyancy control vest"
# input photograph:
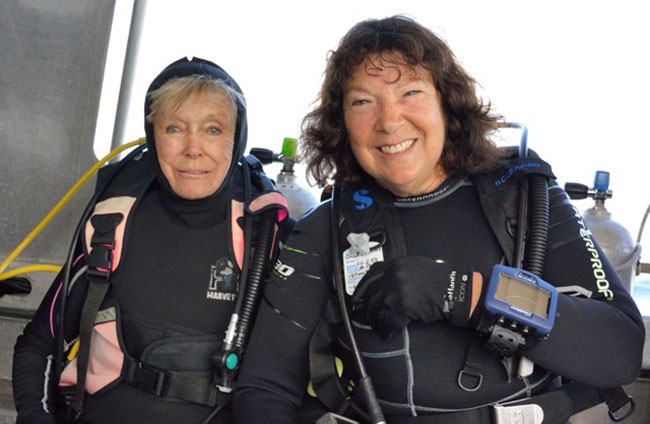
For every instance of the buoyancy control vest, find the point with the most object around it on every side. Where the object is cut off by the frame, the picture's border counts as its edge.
(365, 208)
(97, 360)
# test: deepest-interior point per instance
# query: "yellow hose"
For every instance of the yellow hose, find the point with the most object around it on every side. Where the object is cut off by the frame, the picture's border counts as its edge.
(56, 210)
(30, 268)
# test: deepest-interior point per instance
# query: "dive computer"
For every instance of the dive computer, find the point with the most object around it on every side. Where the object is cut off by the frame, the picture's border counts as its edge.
(519, 305)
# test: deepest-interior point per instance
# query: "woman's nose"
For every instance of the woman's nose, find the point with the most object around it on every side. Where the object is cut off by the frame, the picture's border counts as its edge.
(389, 119)
(193, 145)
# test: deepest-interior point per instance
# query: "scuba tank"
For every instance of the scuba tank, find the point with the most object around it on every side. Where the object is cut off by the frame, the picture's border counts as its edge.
(299, 199)
(613, 238)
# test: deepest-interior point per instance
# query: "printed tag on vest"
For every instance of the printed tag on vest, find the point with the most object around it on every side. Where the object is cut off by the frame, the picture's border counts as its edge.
(356, 264)
(224, 282)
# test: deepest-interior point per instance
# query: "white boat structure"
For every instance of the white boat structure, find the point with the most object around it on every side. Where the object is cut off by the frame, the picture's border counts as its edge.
(53, 57)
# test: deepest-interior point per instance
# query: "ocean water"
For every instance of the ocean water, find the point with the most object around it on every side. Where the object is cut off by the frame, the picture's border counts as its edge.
(641, 295)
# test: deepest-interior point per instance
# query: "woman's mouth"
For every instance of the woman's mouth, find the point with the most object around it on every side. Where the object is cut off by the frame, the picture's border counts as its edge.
(397, 148)
(190, 172)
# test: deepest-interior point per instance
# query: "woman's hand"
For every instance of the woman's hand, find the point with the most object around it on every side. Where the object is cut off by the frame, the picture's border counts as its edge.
(392, 294)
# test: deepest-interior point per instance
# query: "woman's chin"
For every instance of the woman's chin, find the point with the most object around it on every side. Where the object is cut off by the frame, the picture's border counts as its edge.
(193, 193)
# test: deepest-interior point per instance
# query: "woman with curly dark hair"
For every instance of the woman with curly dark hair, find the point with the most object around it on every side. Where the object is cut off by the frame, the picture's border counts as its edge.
(377, 44)
(425, 209)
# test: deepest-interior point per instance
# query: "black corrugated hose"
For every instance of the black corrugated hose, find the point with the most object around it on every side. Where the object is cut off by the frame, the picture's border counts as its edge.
(539, 211)
(257, 274)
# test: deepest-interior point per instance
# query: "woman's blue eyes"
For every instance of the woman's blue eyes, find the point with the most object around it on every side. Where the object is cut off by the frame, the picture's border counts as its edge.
(361, 102)
(175, 129)
(412, 92)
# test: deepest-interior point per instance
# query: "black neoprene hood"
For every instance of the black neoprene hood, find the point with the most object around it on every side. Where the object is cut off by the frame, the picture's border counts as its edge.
(196, 66)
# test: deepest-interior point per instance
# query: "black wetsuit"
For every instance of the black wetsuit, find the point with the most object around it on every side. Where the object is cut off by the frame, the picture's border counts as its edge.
(595, 341)
(156, 303)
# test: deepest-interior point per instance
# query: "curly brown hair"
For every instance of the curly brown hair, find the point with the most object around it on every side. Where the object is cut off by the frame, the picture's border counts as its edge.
(399, 40)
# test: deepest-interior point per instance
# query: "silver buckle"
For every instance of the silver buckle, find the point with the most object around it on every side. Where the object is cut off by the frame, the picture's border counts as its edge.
(518, 414)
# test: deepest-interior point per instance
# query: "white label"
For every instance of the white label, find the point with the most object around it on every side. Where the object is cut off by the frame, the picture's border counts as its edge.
(356, 264)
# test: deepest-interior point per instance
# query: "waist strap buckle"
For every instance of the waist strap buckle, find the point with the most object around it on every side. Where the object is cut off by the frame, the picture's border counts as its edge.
(518, 414)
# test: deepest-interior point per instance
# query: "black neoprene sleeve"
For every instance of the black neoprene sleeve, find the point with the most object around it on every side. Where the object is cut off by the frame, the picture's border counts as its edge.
(273, 381)
(34, 351)
(599, 340)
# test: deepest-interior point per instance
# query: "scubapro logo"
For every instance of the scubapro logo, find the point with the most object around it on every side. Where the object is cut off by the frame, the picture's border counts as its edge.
(364, 201)
(510, 172)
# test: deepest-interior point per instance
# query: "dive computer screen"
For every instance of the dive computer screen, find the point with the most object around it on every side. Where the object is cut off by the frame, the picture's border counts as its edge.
(522, 295)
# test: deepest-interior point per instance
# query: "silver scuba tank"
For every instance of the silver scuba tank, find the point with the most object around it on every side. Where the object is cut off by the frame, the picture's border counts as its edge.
(617, 243)
(299, 198)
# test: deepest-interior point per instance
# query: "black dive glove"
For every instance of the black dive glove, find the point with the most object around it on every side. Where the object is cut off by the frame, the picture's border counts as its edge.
(413, 288)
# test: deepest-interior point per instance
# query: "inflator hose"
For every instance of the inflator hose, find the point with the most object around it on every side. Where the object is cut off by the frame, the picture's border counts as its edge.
(538, 232)
(257, 274)
(248, 230)
(532, 216)
(248, 304)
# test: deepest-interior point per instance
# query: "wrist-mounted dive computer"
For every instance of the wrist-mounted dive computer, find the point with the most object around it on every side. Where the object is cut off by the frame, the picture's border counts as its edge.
(519, 305)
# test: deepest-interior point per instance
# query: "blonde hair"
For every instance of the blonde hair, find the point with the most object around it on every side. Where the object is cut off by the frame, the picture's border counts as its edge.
(173, 93)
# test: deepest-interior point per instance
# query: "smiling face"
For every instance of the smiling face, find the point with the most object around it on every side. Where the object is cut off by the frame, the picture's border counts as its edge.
(195, 142)
(396, 126)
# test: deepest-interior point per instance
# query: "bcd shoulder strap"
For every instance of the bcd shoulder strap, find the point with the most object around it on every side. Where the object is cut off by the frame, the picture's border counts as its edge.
(365, 208)
(103, 246)
(498, 194)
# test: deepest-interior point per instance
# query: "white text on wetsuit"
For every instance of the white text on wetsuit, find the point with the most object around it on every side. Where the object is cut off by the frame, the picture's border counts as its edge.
(596, 264)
